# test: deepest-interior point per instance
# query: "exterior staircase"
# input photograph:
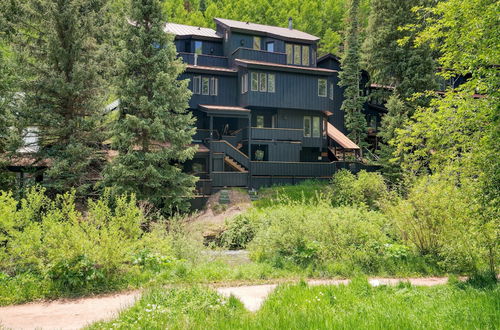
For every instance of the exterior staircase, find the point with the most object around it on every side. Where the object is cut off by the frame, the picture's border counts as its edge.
(234, 164)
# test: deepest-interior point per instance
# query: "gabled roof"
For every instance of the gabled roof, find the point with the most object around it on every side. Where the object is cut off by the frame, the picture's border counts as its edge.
(267, 29)
(328, 56)
(188, 30)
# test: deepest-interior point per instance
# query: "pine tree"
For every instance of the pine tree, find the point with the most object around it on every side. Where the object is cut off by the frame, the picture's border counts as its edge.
(154, 129)
(391, 58)
(350, 78)
(58, 45)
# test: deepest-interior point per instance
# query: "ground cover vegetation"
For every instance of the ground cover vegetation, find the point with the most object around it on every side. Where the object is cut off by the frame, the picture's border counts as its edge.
(357, 305)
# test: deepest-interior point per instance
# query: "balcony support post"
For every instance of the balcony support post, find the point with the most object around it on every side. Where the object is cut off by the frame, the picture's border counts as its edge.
(210, 138)
(250, 151)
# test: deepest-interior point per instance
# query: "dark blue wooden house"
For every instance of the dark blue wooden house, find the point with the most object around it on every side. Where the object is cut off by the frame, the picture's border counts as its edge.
(267, 109)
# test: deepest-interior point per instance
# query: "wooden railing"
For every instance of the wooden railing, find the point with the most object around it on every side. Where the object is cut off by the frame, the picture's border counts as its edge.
(231, 151)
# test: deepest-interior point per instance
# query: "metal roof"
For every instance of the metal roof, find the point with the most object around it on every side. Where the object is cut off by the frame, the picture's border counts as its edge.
(272, 30)
(188, 30)
(223, 108)
(340, 138)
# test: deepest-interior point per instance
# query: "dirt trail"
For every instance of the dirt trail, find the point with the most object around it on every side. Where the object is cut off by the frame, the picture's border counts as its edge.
(77, 313)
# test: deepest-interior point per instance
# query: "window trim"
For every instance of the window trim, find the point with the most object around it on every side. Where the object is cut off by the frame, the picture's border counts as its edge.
(307, 118)
(262, 82)
(197, 85)
(214, 86)
(269, 75)
(321, 92)
(256, 76)
(315, 120)
(203, 79)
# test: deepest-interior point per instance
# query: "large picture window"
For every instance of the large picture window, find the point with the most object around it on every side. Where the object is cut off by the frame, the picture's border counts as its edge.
(312, 126)
(322, 87)
(255, 82)
(296, 54)
(256, 43)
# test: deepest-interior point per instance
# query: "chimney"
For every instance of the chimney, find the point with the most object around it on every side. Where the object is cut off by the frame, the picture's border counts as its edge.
(290, 23)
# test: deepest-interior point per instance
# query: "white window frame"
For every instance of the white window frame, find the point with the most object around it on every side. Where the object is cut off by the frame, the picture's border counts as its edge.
(297, 56)
(203, 80)
(271, 77)
(322, 92)
(214, 86)
(289, 53)
(315, 127)
(262, 82)
(305, 55)
(255, 77)
(196, 84)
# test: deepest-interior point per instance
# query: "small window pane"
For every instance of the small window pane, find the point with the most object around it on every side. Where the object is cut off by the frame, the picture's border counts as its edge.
(256, 43)
(196, 85)
(305, 55)
(307, 126)
(296, 54)
(263, 82)
(322, 87)
(246, 82)
(289, 53)
(255, 81)
(315, 127)
(213, 86)
(198, 46)
(242, 84)
(205, 86)
(270, 83)
(260, 121)
(270, 46)
(331, 91)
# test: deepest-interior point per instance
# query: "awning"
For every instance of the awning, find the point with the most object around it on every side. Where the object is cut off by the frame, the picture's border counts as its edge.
(224, 110)
(340, 138)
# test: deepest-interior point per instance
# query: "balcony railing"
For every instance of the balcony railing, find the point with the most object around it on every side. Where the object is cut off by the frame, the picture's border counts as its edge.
(204, 60)
(229, 179)
(258, 55)
(282, 134)
(304, 169)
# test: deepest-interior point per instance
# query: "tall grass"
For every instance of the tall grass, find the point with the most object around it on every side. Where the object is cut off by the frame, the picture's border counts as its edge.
(356, 306)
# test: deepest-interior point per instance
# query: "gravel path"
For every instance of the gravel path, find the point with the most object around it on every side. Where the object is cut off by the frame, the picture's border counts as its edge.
(77, 313)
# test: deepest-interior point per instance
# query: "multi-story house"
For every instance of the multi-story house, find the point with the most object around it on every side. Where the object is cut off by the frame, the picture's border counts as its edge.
(267, 109)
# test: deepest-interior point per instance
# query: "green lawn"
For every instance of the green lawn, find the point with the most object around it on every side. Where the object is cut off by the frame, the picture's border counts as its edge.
(356, 306)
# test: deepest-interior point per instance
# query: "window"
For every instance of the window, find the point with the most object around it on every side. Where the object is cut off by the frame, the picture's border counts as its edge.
(307, 126)
(226, 36)
(322, 87)
(296, 54)
(256, 43)
(270, 46)
(305, 55)
(315, 127)
(262, 82)
(214, 82)
(289, 53)
(271, 83)
(255, 82)
(205, 86)
(313, 55)
(331, 91)
(244, 83)
(196, 85)
(260, 121)
(198, 46)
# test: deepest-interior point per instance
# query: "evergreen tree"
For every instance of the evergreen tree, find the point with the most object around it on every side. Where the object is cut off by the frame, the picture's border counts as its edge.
(350, 78)
(391, 58)
(58, 45)
(154, 129)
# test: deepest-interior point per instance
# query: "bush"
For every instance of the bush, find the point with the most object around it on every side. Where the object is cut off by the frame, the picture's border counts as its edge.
(364, 188)
(241, 229)
(318, 235)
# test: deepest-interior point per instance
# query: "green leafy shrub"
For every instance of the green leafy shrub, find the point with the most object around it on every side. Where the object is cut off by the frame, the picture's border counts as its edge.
(364, 188)
(318, 235)
(241, 229)
(76, 274)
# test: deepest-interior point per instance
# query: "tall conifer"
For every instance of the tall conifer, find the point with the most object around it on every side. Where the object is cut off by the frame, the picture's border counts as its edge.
(58, 44)
(350, 77)
(154, 129)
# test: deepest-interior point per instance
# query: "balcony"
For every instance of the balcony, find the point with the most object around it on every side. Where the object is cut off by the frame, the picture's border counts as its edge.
(204, 60)
(280, 134)
(258, 55)
(229, 179)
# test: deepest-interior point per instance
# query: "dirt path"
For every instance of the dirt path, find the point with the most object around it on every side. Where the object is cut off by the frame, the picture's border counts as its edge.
(77, 313)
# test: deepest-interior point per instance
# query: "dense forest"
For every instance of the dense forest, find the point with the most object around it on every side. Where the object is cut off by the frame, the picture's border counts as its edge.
(433, 208)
